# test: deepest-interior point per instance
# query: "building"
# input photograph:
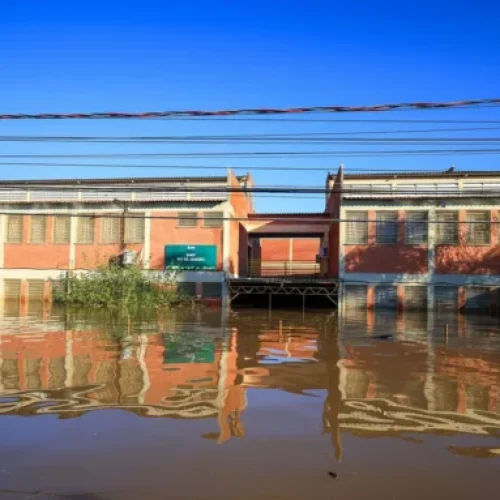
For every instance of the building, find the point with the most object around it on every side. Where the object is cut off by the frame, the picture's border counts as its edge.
(386, 241)
(54, 226)
(416, 240)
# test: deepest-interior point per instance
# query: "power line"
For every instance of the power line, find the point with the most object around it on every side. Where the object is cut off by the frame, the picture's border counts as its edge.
(256, 111)
(201, 167)
(260, 217)
(282, 136)
(250, 154)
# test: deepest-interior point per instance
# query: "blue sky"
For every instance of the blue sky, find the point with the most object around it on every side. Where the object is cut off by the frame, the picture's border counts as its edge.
(143, 55)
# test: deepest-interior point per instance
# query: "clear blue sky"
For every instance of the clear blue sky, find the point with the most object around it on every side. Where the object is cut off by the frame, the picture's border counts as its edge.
(65, 56)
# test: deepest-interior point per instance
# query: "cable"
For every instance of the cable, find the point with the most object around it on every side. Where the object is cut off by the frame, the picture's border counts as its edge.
(205, 167)
(249, 154)
(259, 218)
(304, 135)
(256, 111)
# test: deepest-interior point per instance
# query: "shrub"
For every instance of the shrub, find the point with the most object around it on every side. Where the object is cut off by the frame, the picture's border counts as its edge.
(116, 287)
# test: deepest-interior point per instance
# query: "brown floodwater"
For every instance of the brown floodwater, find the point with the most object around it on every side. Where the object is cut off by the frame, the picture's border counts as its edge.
(208, 404)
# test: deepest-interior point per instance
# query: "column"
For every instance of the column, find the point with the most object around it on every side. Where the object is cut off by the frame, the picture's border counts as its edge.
(147, 239)
(431, 257)
(72, 241)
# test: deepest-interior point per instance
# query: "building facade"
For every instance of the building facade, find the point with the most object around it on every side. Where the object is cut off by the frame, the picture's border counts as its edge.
(48, 228)
(417, 240)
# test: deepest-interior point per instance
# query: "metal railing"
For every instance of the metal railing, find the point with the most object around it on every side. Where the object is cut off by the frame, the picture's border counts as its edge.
(278, 268)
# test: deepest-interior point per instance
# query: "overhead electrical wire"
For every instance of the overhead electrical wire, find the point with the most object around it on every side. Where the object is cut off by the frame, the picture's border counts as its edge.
(264, 136)
(262, 154)
(467, 103)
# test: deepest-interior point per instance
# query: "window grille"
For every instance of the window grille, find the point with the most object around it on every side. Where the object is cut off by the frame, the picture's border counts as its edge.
(478, 228)
(213, 219)
(110, 230)
(416, 228)
(357, 232)
(61, 231)
(188, 219)
(38, 229)
(387, 227)
(446, 228)
(446, 298)
(15, 229)
(134, 229)
(85, 233)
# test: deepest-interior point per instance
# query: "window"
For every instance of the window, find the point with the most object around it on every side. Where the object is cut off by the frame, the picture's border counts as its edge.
(416, 228)
(357, 228)
(477, 299)
(38, 229)
(110, 230)
(15, 229)
(387, 227)
(446, 298)
(187, 288)
(478, 228)
(61, 229)
(188, 219)
(134, 229)
(85, 233)
(446, 228)
(385, 297)
(211, 290)
(213, 219)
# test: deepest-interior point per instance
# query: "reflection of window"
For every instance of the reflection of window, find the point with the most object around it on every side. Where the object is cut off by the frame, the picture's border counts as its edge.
(213, 219)
(478, 228)
(85, 233)
(188, 219)
(61, 229)
(416, 228)
(134, 229)
(15, 229)
(357, 228)
(38, 229)
(387, 227)
(447, 228)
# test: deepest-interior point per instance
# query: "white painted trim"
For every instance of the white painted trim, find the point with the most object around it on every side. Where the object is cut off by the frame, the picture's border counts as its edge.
(437, 279)
(147, 240)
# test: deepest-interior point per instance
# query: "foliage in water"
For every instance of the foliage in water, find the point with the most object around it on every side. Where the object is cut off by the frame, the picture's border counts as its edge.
(116, 287)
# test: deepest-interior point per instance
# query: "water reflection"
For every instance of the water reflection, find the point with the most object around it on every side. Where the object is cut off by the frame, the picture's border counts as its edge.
(202, 364)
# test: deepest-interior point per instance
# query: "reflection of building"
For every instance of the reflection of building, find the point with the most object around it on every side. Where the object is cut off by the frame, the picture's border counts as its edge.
(199, 373)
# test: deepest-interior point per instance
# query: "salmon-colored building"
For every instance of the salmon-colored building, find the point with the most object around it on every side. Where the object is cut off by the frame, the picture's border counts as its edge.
(417, 240)
(395, 240)
(51, 227)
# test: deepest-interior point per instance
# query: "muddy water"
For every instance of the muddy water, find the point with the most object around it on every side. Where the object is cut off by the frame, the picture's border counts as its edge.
(207, 405)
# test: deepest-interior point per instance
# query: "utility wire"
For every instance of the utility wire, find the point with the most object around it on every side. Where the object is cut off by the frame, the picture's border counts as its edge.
(257, 111)
(162, 138)
(261, 154)
(203, 167)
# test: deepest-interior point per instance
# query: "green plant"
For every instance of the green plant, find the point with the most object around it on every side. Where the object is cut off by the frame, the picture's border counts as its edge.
(115, 287)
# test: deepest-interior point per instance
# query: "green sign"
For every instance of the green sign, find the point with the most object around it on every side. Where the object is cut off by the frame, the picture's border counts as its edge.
(191, 257)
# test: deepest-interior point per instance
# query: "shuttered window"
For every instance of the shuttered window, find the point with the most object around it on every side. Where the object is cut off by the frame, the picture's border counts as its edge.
(61, 229)
(85, 233)
(446, 298)
(415, 298)
(15, 229)
(110, 230)
(188, 219)
(213, 219)
(357, 228)
(35, 289)
(12, 289)
(416, 228)
(385, 297)
(134, 229)
(478, 228)
(387, 227)
(446, 228)
(38, 229)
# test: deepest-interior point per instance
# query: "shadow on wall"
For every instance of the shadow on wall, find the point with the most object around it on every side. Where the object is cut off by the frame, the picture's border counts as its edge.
(467, 260)
(406, 259)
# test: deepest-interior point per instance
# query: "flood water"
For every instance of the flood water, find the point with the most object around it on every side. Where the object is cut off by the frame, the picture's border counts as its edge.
(205, 404)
